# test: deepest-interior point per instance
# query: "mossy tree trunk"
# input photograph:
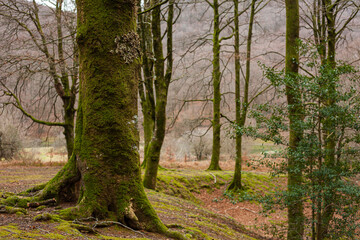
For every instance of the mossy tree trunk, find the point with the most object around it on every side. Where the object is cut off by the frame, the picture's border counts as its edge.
(216, 78)
(241, 106)
(146, 85)
(329, 125)
(162, 82)
(295, 204)
(103, 174)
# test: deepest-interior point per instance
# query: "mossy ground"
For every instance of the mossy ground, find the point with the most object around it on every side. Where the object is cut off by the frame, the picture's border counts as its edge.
(174, 201)
(183, 183)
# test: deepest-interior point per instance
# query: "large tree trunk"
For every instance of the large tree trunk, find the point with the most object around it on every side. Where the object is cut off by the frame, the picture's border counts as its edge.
(103, 174)
(216, 75)
(295, 204)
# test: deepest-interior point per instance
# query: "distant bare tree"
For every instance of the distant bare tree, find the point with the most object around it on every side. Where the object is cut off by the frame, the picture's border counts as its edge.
(39, 63)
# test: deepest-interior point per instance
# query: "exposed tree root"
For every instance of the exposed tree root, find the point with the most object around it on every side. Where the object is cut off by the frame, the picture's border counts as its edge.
(83, 228)
(63, 186)
(12, 210)
(234, 186)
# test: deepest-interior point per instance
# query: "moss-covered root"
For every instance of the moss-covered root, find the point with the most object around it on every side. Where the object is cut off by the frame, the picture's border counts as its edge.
(235, 186)
(214, 166)
(154, 225)
(175, 235)
(12, 210)
(62, 187)
(34, 190)
(17, 201)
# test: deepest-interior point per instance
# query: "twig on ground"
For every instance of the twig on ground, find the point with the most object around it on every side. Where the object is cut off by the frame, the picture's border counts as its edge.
(214, 177)
(78, 223)
(241, 208)
(117, 223)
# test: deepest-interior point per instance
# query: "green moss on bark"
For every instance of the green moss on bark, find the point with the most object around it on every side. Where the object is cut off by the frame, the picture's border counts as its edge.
(216, 77)
(103, 174)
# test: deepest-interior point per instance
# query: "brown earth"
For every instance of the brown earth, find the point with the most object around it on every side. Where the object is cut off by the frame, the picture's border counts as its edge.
(238, 220)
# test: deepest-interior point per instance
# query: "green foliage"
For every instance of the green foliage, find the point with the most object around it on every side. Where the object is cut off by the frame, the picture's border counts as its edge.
(328, 152)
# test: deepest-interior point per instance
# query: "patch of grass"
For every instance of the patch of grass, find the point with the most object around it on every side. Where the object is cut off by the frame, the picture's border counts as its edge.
(183, 183)
(262, 147)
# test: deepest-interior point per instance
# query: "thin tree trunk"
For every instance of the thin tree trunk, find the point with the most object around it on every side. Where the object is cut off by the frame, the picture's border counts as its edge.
(69, 118)
(67, 95)
(241, 111)
(216, 75)
(295, 207)
(329, 125)
(162, 82)
(146, 89)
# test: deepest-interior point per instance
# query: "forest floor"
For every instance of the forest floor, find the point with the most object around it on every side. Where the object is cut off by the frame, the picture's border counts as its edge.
(187, 199)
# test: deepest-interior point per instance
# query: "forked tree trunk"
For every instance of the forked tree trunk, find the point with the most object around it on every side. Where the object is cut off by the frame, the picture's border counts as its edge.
(162, 82)
(241, 107)
(103, 174)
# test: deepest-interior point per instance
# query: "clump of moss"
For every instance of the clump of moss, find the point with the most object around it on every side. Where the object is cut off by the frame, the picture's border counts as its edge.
(12, 210)
(43, 217)
(34, 189)
(39, 208)
(6, 194)
(15, 201)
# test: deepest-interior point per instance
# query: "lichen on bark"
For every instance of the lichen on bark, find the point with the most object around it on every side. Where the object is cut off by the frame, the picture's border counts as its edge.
(127, 46)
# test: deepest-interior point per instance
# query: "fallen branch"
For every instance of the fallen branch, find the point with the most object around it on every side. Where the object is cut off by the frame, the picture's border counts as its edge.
(246, 209)
(241, 208)
(83, 228)
(49, 202)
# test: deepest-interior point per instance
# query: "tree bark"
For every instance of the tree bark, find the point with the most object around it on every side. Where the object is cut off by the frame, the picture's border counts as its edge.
(295, 204)
(329, 122)
(162, 82)
(103, 175)
(216, 77)
(146, 85)
(241, 107)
